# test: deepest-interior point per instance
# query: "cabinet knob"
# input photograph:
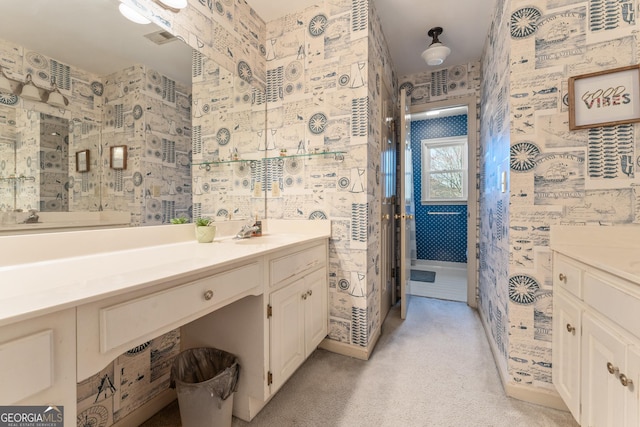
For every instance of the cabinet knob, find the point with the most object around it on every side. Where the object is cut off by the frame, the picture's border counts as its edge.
(562, 278)
(398, 216)
(386, 217)
(612, 369)
(310, 292)
(571, 329)
(208, 295)
(626, 382)
(305, 295)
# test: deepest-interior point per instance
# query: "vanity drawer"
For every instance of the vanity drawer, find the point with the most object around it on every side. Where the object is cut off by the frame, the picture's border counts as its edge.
(567, 275)
(133, 321)
(614, 298)
(20, 379)
(290, 265)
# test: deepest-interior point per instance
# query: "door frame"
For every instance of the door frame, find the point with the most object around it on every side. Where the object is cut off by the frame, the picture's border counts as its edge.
(472, 180)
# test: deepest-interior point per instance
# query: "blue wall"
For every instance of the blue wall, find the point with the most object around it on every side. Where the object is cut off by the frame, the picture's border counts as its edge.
(438, 237)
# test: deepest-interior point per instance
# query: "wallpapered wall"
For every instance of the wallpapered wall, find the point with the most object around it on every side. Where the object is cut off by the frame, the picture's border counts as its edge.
(325, 65)
(441, 230)
(83, 114)
(556, 176)
(137, 107)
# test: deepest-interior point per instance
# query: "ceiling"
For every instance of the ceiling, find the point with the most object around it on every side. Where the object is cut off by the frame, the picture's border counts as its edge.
(92, 35)
(405, 24)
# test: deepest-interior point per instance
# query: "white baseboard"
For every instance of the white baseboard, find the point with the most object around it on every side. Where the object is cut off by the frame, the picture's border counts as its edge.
(362, 353)
(536, 395)
(148, 410)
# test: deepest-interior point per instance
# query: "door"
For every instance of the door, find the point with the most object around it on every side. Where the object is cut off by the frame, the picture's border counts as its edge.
(603, 353)
(566, 350)
(315, 310)
(287, 332)
(405, 210)
(387, 177)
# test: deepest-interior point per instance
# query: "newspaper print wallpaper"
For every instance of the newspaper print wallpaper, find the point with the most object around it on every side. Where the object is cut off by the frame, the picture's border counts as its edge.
(556, 176)
(325, 65)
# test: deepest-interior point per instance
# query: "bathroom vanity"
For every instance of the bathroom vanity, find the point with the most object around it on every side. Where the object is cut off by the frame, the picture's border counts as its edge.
(596, 323)
(63, 319)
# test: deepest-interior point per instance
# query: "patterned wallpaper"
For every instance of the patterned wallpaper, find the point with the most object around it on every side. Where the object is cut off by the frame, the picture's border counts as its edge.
(83, 115)
(441, 236)
(556, 176)
(325, 65)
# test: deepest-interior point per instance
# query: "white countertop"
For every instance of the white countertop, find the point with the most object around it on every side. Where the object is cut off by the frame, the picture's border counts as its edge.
(612, 249)
(34, 288)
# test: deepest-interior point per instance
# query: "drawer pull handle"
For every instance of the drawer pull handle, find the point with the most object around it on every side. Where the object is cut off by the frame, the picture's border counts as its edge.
(626, 382)
(562, 278)
(612, 369)
(571, 329)
(208, 295)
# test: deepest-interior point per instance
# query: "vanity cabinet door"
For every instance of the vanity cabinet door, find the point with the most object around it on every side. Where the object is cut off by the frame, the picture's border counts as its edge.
(603, 352)
(632, 394)
(315, 310)
(567, 330)
(287, 332)
(37, 363)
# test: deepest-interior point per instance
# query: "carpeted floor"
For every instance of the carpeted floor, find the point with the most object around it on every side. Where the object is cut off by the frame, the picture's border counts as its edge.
(435, 369)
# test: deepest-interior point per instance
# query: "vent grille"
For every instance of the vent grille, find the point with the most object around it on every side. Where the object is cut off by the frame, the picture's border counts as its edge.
(161, 37)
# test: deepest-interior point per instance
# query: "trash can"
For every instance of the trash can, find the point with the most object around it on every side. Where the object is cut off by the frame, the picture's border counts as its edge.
(205, 380)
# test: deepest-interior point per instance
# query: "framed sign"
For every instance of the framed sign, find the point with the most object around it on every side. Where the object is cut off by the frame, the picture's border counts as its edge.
(119, 157)
(604, 98)
(82, 161)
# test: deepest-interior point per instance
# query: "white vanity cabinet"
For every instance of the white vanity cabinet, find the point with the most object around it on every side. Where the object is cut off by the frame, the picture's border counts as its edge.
(596, 343)
(48, 342)
(298, 323)
(272, 333)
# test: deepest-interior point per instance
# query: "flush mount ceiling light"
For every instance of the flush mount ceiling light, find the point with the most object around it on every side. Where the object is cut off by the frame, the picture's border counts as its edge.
(132, 15)
(436, 53)
(174, 5)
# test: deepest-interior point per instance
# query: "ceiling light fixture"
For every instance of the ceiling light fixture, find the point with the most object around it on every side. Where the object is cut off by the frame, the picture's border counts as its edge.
(56, 99)
(30, 91)
(132, 15)
(436, 53)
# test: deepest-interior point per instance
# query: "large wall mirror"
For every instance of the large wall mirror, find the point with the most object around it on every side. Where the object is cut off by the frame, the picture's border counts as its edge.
(124, 85)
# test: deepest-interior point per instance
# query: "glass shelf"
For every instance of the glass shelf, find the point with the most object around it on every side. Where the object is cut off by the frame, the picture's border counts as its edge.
(337, 155)
(18, 178)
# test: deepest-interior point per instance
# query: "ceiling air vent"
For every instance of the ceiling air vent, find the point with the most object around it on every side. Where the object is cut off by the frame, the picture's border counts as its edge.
(161, 37)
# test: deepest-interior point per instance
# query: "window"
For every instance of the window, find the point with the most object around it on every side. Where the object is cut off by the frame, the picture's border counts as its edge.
(444, 169)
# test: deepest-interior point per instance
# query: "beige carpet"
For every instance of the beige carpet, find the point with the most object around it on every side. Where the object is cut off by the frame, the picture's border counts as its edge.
(434, 369)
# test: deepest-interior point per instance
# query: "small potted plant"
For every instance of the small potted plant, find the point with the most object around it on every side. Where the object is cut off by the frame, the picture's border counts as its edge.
(179, 220)
(205, 230)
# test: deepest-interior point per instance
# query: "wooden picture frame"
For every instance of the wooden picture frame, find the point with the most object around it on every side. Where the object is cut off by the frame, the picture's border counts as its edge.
(118, 157)
(83, 161)
(604, 98)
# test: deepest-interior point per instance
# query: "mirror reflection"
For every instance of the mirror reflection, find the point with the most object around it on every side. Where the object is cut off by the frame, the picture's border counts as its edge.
(129, 88)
